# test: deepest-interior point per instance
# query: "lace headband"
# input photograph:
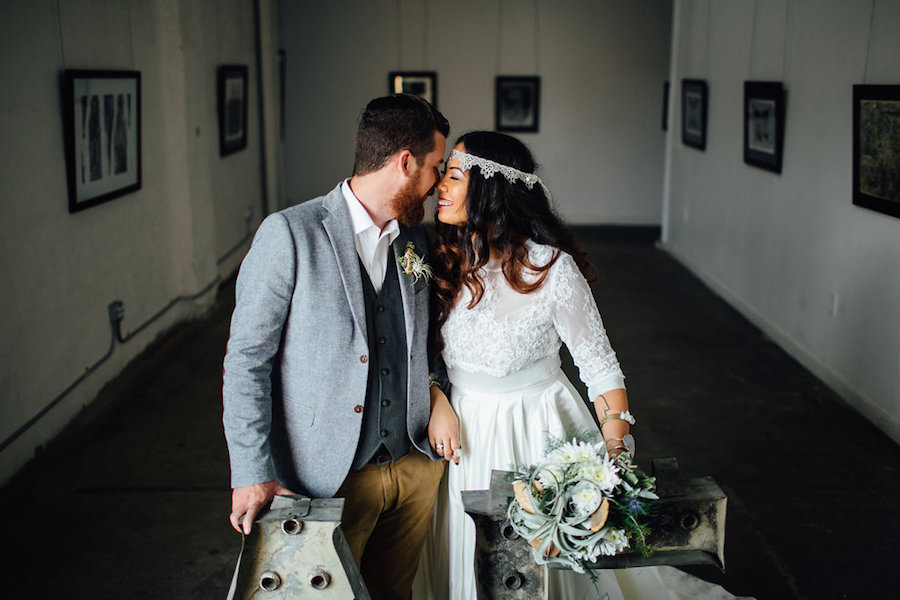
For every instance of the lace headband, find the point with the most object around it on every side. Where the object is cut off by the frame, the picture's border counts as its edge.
(489, 168)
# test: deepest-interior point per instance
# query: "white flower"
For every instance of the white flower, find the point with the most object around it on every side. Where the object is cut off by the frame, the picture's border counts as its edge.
(585, 452)
(575, 452)
(550, 476)
(588, 554)
(566, 454)
(586, 498)
(603, 472)
(614, 541)
(626, 416)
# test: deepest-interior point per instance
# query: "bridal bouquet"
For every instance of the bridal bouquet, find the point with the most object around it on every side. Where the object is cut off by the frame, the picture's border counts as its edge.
(580, 503)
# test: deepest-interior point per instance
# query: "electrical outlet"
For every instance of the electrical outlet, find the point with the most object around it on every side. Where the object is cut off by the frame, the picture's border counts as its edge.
(116, 310)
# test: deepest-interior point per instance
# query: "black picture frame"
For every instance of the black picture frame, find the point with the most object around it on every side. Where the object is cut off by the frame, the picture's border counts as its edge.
(876, 148)
(694, 109)
(517, 103)
(418, 83)
(231, 93)
(764, 124)
(102, 135)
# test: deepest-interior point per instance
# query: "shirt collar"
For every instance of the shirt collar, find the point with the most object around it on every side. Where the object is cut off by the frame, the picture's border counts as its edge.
(362, 220)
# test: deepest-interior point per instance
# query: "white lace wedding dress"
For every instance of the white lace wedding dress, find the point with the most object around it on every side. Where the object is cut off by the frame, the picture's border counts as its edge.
(502, 357)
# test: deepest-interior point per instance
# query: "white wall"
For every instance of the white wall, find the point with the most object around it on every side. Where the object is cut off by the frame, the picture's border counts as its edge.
(819, 275)
(602, 66)
(146, 248)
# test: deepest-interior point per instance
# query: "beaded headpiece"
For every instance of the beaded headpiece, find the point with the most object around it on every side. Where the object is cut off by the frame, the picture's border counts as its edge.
(489, 168)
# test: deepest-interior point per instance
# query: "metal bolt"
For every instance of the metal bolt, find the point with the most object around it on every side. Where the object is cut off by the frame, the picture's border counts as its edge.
(269, 581)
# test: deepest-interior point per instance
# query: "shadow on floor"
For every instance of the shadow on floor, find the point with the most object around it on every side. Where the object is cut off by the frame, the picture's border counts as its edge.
(132, 501)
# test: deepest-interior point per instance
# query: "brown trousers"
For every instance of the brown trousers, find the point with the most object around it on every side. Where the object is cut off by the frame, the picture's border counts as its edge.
(387, 514)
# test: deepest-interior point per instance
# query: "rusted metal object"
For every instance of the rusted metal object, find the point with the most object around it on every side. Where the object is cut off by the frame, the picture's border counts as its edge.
(504, 564)
(688, 528)
(296, 549)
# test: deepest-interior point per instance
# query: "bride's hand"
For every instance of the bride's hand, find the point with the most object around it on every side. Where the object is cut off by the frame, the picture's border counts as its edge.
(443, 427)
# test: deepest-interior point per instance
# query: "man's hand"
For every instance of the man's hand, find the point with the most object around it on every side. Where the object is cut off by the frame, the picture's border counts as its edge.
(443, 427)
(246, 502)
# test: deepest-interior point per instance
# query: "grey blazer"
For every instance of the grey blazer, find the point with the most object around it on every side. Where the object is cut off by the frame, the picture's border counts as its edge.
(297, 358)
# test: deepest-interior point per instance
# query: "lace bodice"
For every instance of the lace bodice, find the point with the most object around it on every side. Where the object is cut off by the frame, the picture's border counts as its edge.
(508, 331)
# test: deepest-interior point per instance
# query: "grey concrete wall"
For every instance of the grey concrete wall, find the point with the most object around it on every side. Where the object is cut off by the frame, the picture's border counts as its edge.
(146, 248)
(791, 251)
(602, 65)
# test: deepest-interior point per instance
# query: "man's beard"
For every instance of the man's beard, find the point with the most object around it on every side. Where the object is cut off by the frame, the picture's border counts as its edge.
(407, 205)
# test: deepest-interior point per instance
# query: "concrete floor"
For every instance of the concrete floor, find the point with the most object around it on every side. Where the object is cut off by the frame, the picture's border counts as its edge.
(132, 501)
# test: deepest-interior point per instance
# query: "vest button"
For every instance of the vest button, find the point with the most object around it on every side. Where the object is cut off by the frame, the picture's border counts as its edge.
(382, 340)
(385, 402)
(364, 359)
(384, 433)
(380, 309)
(358, 408)
(385, 371)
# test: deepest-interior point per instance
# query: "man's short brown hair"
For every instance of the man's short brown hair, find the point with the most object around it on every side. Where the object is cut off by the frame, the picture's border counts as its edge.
(393, 123)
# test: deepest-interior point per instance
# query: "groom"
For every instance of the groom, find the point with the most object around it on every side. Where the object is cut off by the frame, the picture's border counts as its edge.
(326, 381)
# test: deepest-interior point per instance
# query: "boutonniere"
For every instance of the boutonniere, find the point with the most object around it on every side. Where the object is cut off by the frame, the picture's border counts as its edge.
(413, 264)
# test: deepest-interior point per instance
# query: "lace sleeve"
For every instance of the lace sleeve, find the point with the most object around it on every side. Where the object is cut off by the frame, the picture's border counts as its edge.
(578, 323)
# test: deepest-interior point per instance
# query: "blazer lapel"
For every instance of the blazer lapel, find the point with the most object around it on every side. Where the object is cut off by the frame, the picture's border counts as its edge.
(339, 229)
(407, 291)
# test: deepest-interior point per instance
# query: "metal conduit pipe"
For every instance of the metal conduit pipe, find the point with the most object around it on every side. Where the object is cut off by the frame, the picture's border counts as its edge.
(116, 312)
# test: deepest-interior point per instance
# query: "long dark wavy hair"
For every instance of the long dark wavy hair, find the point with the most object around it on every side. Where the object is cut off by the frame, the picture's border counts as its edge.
(501, 216)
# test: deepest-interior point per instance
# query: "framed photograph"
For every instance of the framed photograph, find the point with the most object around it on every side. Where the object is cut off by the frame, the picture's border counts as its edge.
(517, 103)
(876, 148)
(232, 96)
(418, 83)
(694, 103)
(102, 133)
(665, 106)
(764, 124)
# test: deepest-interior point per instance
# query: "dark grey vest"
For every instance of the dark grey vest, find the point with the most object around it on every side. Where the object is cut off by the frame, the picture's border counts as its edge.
(383, 436)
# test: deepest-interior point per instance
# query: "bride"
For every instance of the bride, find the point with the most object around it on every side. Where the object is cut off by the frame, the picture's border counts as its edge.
(511, 287)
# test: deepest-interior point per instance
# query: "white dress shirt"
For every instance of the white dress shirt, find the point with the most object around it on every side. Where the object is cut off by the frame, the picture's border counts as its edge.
(372, 243)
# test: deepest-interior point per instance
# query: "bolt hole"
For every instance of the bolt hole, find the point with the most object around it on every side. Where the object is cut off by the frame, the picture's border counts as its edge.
(269, 581)
(508, 532)
(291, 526)
(320, 579)
(513, 581)
(690, 521)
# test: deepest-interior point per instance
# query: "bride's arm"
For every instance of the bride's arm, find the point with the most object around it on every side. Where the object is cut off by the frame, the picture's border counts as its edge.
(578, 323)
(609, 406)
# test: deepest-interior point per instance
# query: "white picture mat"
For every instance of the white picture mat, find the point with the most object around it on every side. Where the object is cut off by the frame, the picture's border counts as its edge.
(110, 136)
(761, 125)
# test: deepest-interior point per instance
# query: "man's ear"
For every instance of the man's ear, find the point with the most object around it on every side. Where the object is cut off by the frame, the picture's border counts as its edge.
(405, 160)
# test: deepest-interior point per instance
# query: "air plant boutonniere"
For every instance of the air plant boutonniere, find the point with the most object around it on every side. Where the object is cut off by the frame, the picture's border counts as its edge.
(413, 264)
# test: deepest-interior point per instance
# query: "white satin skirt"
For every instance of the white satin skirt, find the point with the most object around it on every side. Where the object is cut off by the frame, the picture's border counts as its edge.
(506, 422)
